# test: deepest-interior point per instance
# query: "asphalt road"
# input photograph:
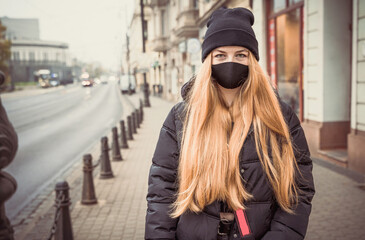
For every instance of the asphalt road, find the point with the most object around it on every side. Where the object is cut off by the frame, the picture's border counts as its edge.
(54, 130)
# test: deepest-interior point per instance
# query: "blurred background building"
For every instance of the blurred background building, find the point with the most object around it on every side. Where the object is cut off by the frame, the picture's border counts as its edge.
(313, 51)
(136, 62)
(29, 53)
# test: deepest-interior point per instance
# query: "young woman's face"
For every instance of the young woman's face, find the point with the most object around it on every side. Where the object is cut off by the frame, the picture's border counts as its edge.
(230, 54)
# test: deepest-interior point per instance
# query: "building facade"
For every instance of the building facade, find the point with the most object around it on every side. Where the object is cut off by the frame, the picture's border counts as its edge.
(314, 58)
(29, 56)
(136, 61)
(177, 32)
(356, 137)
(21, 28)
(29, 53)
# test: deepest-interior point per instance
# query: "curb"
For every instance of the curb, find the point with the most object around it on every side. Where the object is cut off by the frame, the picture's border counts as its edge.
(355, 176)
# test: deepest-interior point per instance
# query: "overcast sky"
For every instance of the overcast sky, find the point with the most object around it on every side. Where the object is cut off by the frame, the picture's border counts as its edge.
(94, 29)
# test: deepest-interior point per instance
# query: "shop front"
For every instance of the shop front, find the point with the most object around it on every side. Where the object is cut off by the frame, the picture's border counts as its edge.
(285, 50)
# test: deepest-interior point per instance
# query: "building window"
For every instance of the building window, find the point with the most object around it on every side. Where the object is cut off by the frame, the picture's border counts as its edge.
(16, 56)
(45, 57)
(294, 1)
(163, 22)
(31, 56)
(196, 4)
(145, 32)
(288, 57)
(285, 50)
(277, 5)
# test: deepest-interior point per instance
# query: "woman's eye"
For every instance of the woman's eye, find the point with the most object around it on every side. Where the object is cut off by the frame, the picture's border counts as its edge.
(241, 55)
(219, 56)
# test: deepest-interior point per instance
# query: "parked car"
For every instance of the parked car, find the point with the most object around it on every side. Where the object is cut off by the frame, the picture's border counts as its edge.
(127, 82)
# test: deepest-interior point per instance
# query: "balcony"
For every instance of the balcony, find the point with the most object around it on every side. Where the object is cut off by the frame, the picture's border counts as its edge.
(186, 24)
(160, 44)
(157, 3)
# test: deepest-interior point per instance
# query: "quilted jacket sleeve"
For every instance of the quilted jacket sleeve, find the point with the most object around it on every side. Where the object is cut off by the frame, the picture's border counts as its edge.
(162, 183)
(294, 226)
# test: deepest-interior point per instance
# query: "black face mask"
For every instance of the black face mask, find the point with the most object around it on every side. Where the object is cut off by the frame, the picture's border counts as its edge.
(230, 74)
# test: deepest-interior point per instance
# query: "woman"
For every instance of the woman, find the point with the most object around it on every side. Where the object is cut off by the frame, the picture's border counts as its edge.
(232, 161)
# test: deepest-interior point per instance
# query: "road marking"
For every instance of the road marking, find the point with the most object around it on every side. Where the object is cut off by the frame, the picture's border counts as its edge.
(87, 94)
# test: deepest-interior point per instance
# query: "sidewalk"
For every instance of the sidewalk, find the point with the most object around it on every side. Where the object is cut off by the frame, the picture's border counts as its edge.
(338, 206)
(338, 210)
(121, 209)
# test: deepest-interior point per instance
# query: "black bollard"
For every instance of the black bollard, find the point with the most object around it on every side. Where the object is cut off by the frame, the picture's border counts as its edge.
(116, 154)
(105, 167)
(137, 118)
(123, 137)
(134, 125)
(140, 115)
(88, 189)
(64, 227)
(130, 131)
(141, 108)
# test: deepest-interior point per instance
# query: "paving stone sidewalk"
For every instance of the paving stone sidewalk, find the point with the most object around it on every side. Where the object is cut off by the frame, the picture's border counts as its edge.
(120, 212)
(338, 207)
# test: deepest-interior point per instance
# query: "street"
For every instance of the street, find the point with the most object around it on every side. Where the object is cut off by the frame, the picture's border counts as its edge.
(54, 130)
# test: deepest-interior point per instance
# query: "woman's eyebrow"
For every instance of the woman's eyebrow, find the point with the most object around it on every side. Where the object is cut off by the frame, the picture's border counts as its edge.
(218, 50)
(243, 50)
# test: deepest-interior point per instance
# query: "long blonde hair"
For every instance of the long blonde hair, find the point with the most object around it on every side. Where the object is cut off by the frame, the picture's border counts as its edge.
(209, 158)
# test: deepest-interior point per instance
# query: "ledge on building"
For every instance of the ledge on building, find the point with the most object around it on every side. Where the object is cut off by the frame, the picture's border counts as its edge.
(160, 44)
(337, 156)
(158, 3)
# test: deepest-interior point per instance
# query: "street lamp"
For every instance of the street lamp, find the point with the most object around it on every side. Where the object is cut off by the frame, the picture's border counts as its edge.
(146, 101)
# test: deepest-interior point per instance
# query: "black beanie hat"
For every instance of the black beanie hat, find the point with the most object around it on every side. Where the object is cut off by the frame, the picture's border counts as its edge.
(230, 27)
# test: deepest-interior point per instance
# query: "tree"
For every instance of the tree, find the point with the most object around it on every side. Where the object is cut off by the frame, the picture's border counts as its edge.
(94, 69)
(4, 53)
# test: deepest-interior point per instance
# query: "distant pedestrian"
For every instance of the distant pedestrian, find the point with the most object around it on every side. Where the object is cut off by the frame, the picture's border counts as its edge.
(232, 161)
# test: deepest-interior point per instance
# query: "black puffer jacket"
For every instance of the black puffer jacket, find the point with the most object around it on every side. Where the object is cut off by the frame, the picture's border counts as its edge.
(266, 220)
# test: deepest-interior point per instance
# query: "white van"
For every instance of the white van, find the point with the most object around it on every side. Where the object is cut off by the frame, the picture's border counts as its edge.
(127, 81)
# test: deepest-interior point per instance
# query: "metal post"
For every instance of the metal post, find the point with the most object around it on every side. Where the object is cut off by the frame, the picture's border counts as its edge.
(134, 122)
(64, 226)
(123, 137)
(116, 154)
(141, 108)
(130, 131)
(140, 116)
(137, 118)
(128, 64)
(88, 189)
(105, 167)
(145, 85)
